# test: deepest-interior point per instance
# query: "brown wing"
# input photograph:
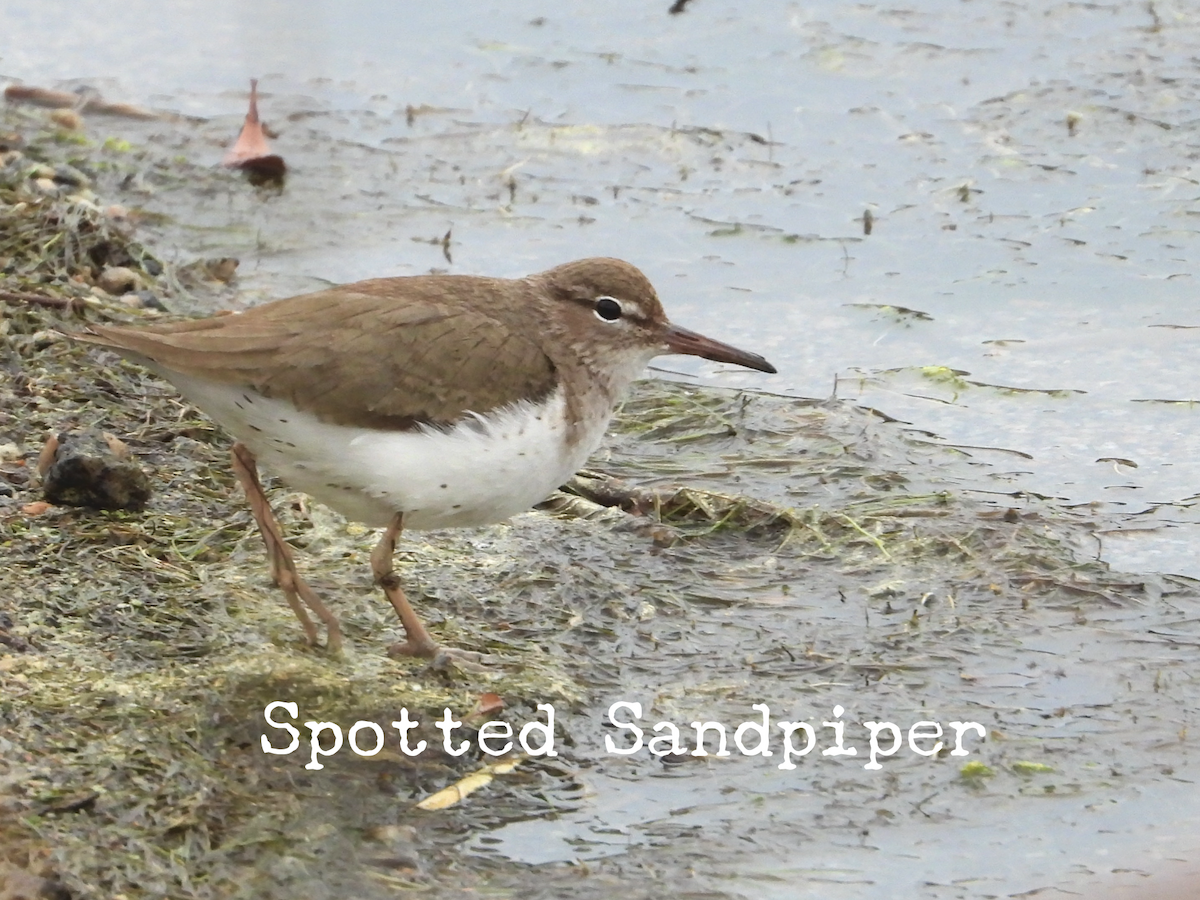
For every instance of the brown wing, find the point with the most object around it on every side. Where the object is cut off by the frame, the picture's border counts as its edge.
(388, 353)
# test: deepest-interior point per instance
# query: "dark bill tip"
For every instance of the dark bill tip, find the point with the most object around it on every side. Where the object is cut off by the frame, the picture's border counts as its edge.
(689, 343)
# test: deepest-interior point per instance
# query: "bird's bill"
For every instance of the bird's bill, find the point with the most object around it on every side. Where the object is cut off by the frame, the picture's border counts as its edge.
(689, 343)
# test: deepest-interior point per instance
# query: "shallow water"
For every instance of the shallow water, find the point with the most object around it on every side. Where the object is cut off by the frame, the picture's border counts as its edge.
(1028, 169)
(1025, 292)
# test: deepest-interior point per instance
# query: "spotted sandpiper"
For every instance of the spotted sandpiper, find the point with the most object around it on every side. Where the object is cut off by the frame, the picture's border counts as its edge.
(430, 401)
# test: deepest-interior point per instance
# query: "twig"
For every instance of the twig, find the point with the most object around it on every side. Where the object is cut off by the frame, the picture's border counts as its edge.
(72, 304)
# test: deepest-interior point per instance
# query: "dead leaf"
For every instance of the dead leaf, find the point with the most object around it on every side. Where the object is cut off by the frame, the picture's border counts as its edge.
(469, 784)
(47, 454)
(485, 705)
(116, 446)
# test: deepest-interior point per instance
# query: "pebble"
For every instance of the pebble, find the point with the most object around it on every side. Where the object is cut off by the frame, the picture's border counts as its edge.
(149, 300)
(118, 280)
(222, 269)
(85, 199)
(65, 174)
(67, 118)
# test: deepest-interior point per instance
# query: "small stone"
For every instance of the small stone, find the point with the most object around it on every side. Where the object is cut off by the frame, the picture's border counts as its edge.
(68, 119)
(65, 174)
(401, 844)
(40, 340)
(118, 280)
(46, 185)
(222, 269)
(15, 475)
(146, 300)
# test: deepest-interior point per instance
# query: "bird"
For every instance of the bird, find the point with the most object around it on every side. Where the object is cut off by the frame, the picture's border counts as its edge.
(417, 402)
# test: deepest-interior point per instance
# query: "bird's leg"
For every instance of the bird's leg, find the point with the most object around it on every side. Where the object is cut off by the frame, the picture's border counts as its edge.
(418, 642)
(283, 565)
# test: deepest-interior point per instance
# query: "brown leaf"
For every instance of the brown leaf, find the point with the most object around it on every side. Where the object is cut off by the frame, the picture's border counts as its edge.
(46, 456)
(116, 446)
(485, 705)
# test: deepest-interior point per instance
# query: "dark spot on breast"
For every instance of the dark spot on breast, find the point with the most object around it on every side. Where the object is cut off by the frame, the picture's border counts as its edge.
(255, 428)
(444, 486)
(246, 397)
(457, 506)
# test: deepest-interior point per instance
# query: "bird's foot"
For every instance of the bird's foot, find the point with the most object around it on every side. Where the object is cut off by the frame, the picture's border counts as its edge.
(440, 657)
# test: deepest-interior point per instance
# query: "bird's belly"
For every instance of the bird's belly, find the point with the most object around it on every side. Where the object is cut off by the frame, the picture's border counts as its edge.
(482, 470)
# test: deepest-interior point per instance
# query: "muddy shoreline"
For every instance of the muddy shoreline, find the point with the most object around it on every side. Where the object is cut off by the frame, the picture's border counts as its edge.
(815, 554)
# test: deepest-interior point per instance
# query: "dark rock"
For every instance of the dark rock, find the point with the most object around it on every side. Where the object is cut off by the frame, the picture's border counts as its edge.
(149, 300)
(65, 174)
(97, 473)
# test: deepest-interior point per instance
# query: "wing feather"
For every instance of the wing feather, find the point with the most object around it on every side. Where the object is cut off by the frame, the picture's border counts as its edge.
(387, 353)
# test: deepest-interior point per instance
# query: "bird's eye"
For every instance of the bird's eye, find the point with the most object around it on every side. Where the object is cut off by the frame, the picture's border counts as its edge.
(608, 309)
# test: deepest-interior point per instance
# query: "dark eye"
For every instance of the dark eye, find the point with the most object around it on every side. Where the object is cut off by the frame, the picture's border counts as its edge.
(608, 309)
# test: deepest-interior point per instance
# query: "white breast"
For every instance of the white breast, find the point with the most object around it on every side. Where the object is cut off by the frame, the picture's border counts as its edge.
(484, 469)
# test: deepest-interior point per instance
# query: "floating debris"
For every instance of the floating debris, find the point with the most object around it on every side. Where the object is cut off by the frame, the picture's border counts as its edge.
(85, 101)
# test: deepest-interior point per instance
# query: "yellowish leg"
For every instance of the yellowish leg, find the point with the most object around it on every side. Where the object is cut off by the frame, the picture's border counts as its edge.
(283, 565)
(417, 642)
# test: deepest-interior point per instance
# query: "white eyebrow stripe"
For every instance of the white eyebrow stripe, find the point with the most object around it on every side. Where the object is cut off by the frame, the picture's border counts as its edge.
(628, 307)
